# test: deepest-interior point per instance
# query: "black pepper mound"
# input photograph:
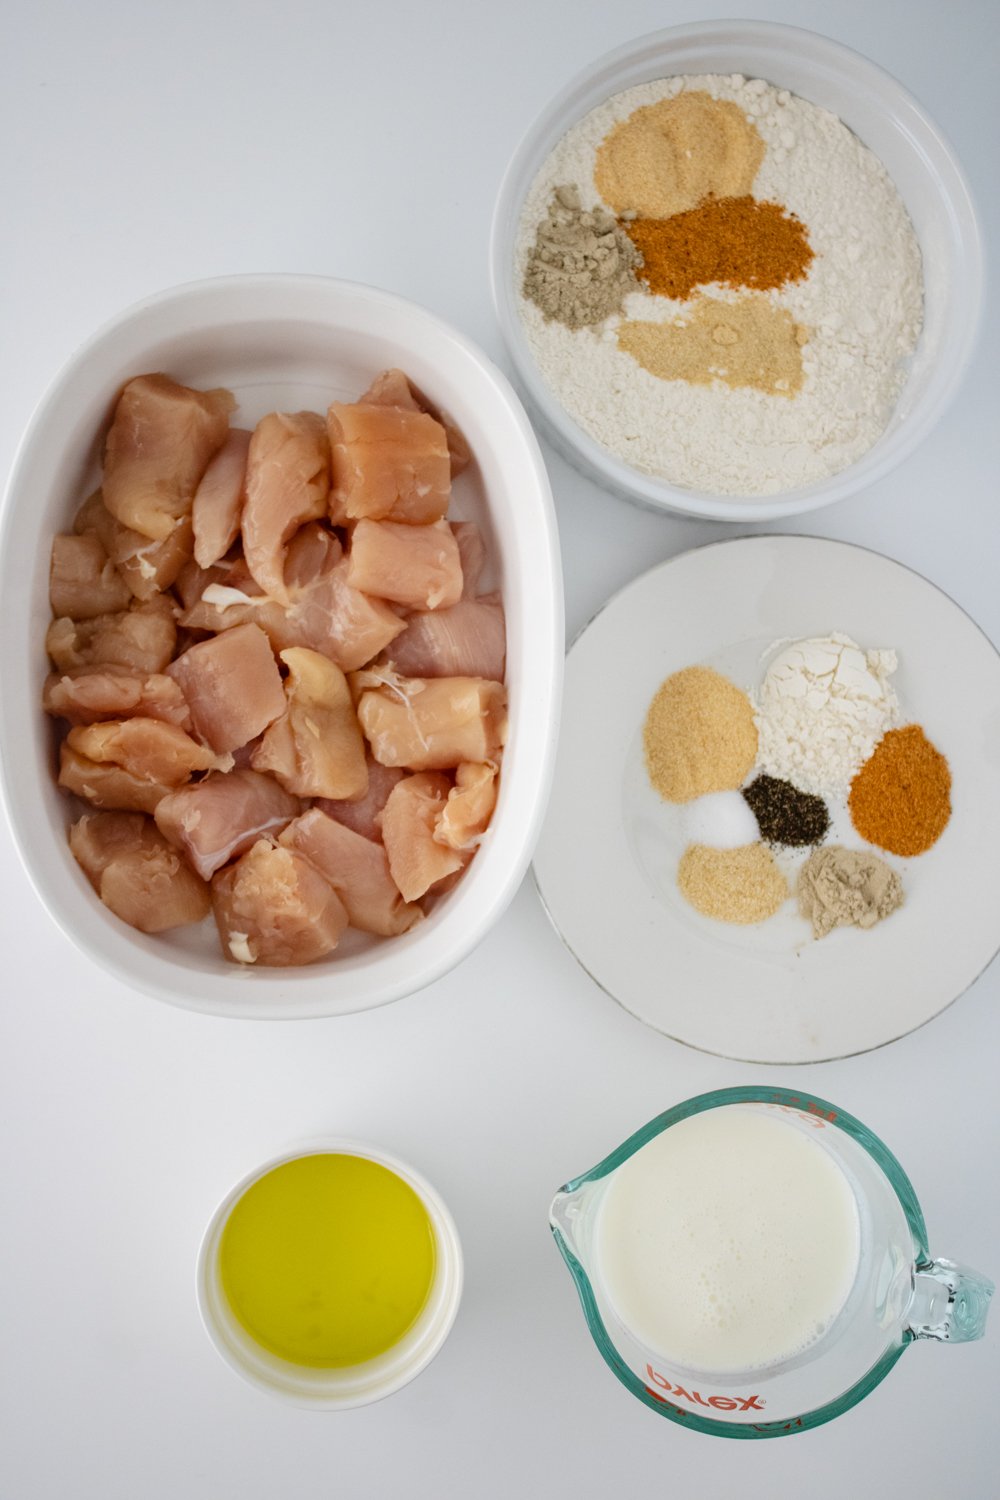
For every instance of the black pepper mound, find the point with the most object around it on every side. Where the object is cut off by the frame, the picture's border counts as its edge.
(785, 815)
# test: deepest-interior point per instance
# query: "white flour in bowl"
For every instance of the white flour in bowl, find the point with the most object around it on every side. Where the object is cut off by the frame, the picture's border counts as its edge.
(861, 304)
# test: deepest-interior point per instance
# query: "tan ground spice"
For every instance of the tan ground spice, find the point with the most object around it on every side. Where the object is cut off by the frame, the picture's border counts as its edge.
(741, 885)
(840, 887)
(699, 735)
(900, 800)
(667, 157)
(582, 264)
(746, 343)
(739, 242)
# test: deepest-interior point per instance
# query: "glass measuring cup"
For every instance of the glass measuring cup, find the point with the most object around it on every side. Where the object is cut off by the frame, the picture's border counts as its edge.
(899, 1293)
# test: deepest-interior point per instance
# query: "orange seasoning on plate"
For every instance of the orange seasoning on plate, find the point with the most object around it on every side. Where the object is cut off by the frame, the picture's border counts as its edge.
(900, 800)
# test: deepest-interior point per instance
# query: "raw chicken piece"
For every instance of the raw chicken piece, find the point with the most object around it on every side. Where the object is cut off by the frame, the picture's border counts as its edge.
(83, 582)
(431, 724)
(136, 873)
(358, 871)
(218, 501)
(192, 581)
(147, 567)
(223, 596)
(468, 640)
(83, 695)
(146, 748)
(159, 446)
(470, 805)
(472, 551)
(221, 816)
(364, 814)
(417, 566)
(287, 483)
(232, 685)
(107, 785)
(142, 637)
(316, 748)
(389, 463)
(313, 551)
(393, 388)
(272, 908)
(416, 860)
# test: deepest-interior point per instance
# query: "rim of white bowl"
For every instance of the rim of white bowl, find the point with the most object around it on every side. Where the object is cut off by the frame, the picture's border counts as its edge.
(575, 444)
(401, 1363)
(304, 989)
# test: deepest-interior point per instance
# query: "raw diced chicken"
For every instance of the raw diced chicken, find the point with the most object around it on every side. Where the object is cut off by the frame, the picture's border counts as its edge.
(192, 581)
(161, 440)
(417, 566)
(472, 551)
(107, 786)
(431, 724)
(147, 748)
(218, 501)
(143, 637)
(393, 388)
(83, 695)
(356, 868)
(212, 820)
(147, 567)
(287, 483)
(470, 805)
(316, 748)
(83, 582)
(468, 640)
(389, 463)
(232, 685)
(416, 860)
(364, 815)
(272, 908)
(312, 552)
(136, 873)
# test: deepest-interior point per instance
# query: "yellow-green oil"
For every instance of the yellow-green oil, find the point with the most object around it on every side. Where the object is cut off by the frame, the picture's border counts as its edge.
(327, 1260)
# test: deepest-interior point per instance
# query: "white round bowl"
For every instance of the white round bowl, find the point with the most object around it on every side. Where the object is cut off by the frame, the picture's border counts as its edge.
(284, 342)
(889, 121)
(356, 1385)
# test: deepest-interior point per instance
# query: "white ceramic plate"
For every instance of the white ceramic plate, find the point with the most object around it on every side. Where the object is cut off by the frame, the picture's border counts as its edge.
(607, 859)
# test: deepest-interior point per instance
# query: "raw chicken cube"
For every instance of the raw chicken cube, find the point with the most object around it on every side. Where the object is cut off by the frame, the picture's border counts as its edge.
(393, 388)
(358, 871)
(148, 567)
(316, 748)
(431, 724)
(287, 483)
(416, 860)
(159, 446)
(147, 748)
(212, 820)
(364, 814)
(388, 463)
(232, 685)
(469, 807)
(472, 551)
(83, 582)
(417, 566)
(136, 873)
(217, 507)
(106, 785)
(142, 637)
(272, 908)
(83, 695)
(468, 640)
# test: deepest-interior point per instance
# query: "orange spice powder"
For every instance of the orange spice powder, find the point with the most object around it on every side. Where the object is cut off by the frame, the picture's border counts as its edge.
(740, 242)
(900, 800)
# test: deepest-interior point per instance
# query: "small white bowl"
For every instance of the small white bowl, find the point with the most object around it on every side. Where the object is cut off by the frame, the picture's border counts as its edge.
(890, 122)
(286, 342)
(355, 1385)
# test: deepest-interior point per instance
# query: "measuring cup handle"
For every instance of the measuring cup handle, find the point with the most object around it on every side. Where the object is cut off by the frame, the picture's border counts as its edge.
(949, 1302)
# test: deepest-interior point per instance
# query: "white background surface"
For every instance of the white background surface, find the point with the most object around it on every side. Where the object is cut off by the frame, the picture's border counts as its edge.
(146, 146)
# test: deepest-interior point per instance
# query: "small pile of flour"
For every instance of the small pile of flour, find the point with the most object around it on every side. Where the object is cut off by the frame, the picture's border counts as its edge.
(861, 305)
(822, 708)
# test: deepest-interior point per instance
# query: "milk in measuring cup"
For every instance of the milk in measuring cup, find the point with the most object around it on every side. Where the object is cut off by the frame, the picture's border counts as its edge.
(729, 1242)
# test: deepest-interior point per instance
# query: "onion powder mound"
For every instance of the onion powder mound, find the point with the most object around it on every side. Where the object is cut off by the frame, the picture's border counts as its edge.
(699, 735)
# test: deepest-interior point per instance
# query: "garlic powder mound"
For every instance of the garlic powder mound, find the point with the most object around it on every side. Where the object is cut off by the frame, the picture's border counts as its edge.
(699, 735)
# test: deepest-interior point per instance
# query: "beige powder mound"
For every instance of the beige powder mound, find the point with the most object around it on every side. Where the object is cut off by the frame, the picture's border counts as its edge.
(699, 735)
(752, 342)
(741, 885)
(841, 887)
(666, 157)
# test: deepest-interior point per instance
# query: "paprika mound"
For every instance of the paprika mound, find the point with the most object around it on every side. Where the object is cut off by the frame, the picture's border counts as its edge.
(738, 242)
(900, 800)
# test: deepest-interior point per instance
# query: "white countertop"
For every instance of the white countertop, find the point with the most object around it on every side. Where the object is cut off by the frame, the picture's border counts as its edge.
(147, 146)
